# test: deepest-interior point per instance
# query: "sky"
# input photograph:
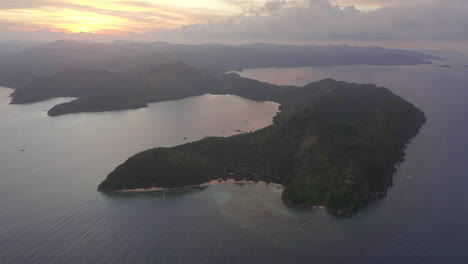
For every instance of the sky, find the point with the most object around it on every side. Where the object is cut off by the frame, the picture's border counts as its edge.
(419, 23)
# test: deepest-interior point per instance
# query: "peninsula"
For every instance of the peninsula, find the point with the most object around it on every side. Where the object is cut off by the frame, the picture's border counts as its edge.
(333, 144)
(103, 90)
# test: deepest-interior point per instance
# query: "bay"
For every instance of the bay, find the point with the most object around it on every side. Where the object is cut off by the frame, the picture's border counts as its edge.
(50, 211)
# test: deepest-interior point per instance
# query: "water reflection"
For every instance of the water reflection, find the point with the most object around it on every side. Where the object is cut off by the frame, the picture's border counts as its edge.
(51, 212)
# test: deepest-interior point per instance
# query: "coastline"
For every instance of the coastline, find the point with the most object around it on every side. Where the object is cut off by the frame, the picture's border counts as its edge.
(205, 184)
(211, 183)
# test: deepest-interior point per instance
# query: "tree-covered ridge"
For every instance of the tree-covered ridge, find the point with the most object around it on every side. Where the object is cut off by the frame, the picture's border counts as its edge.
(107, 91)
(96, 104)
(333, 144)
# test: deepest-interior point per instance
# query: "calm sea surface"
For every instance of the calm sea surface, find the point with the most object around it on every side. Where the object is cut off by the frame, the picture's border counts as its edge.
(50, 211)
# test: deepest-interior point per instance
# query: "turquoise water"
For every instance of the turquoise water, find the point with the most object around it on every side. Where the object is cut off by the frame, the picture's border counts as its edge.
(51, 212)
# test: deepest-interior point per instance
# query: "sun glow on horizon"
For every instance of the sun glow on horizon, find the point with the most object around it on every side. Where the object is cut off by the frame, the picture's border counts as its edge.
(106, 16)
(136, 16)
(365, 6)
(91, 23)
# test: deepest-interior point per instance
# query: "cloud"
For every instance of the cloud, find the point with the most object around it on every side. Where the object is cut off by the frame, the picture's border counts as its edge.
(312, 20)
(6, 4)
(293, 21)
(103, 16)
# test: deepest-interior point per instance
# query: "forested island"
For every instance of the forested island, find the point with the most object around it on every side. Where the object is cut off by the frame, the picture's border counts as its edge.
(333, 144)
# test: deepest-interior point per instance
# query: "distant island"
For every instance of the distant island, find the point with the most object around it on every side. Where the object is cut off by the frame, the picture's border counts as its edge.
(444, 66)
(334, 144)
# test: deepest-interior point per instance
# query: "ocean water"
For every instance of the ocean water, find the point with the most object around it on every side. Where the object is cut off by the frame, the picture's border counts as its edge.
(50, 211)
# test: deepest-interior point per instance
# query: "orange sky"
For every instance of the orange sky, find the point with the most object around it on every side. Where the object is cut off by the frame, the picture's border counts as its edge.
(123, 16)
(108, 16)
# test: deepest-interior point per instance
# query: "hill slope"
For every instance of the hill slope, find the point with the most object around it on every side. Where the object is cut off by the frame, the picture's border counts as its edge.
(333, 144)
(107, 91)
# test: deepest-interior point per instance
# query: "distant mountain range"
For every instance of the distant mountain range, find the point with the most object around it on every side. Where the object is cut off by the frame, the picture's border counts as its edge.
(22, 62)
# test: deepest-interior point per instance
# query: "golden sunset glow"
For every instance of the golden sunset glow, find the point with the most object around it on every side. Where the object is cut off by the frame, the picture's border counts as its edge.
(111, 16)
(127, 17)
(364, 5)
(88, 22)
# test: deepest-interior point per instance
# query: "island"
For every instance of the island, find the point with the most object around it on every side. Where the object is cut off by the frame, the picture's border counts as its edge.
(333, 144)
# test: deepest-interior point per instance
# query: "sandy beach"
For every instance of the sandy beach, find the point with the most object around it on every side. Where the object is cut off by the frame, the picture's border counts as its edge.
(205, 184)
